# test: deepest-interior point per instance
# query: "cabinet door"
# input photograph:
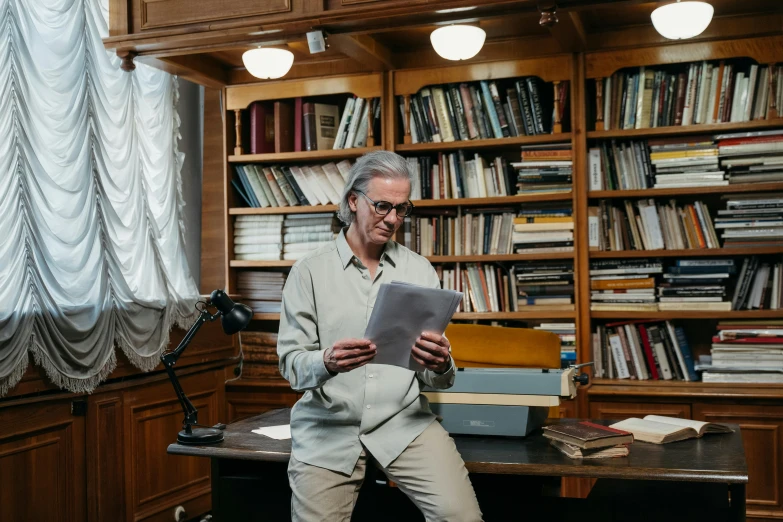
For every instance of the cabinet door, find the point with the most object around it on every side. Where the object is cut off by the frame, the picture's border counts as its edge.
(762, 435)
(42, 474)
(156, 482)
(623, 410)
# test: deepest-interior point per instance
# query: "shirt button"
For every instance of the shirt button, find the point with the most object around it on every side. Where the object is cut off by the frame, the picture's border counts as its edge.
(370, 376)
(368, 406)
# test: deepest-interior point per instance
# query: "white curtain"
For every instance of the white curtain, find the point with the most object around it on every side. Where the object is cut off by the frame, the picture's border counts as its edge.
(91, 248)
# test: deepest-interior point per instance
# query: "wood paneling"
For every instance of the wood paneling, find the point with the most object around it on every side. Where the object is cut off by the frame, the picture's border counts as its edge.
(167, 13)
(156, 481)
(243, 404)
(105, 465)
(624, 410)
(213, 213)
(42, 464)
(762, 435)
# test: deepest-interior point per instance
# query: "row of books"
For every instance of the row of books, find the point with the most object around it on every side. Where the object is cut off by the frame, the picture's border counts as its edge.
(486, 287)
(482, 110)
(283, 186)
(745, 352)
(695, 161)
(260, 354)
(690, 284)
(689, 94)
(275, 237)
(643, 350)
(751, 220)
(650, 225)
(457, 175)
(450, 233)
(296, 125)
(548, 284)
(261, 291)
(544, 169)
(567, 334)
(543, 230)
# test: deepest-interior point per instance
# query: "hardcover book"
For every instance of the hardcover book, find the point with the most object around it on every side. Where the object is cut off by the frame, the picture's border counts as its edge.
(587, 435)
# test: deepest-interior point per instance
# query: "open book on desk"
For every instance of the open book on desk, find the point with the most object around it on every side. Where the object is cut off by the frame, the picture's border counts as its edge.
(402, 312)
(660, 430)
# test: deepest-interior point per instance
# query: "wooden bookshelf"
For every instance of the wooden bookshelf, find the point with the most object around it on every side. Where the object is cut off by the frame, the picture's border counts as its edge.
(702, 252)
(686, 191)
(234, 263)
(536, 312)
(685, 130)
(302, 157)
(249, 211)
(686, 314)
(491, 201)
(494, 143)
(491, 258)
(266, 317)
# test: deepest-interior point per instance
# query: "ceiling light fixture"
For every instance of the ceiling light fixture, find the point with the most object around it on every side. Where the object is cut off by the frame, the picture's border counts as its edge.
(268, 63)
(458, 42)
(682, 20)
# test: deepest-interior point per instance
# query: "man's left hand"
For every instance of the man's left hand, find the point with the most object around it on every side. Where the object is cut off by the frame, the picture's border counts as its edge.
(432, 351)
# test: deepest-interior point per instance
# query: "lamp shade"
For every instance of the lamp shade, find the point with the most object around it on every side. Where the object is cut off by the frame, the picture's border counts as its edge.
(267, 62)
(233, 316)
(682, 19)
(458, 42)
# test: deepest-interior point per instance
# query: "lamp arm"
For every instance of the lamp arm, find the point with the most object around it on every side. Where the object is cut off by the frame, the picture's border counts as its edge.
(169, 360)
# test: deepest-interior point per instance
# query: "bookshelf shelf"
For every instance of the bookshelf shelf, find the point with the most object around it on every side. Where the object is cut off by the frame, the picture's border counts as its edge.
(293, 157)
(684, 314)
(244, 211)
(540, 312)
(496, 143)
(652, 193)
(266, 317)
(500, 257)
(702, 252)
(658, 388)
(493, 201)
(261, 264)
(680, 130)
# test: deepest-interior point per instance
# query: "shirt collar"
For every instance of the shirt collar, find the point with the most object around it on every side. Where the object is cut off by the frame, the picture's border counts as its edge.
(346, 254)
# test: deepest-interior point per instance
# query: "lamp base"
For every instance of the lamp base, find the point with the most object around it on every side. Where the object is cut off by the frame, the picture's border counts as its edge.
(200, 436)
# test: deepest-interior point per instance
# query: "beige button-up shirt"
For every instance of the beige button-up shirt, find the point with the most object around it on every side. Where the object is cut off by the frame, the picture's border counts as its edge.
(329, 296)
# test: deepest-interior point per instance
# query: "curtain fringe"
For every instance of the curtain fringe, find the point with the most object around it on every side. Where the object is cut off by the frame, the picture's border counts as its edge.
(8, 382)
(73, 384)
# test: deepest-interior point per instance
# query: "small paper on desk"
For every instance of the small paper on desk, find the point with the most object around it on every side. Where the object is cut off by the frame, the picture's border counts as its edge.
(402, 312)
(281, 432)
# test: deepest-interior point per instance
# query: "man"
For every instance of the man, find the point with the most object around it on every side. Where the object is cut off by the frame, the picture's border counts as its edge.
(353, 410)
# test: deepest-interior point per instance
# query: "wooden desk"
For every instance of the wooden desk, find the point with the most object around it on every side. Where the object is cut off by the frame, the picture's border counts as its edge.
(698, 478)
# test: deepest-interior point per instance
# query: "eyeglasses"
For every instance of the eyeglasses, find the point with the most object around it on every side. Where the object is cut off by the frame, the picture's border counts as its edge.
(384, 207)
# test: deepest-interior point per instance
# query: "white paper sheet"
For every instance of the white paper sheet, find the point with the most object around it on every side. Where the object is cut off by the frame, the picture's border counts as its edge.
(402, 312)
(281, 432)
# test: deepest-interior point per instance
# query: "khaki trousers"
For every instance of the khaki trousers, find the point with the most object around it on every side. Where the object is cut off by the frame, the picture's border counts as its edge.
(430, 472)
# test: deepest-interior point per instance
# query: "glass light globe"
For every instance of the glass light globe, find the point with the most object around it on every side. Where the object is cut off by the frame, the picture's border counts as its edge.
(457, 42)
(682, 19)
(268, 63)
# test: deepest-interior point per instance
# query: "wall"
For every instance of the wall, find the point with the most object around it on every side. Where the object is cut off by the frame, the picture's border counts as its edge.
(191, 114)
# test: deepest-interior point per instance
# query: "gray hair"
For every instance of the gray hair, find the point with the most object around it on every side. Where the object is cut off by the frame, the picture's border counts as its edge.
(376, 164)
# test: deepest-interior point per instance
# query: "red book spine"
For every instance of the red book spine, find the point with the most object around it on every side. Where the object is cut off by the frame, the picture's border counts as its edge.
(648, 353)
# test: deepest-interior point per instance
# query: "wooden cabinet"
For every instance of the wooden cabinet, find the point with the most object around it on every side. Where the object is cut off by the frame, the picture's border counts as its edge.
(762, 435)
(42, 464)
(103, 457)
(167, 13)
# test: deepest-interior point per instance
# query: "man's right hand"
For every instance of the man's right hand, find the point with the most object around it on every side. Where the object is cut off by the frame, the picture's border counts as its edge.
(348, 354)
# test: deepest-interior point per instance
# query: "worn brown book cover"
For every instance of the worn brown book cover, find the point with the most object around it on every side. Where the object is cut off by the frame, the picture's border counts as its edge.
(284, 126)
(587, 435)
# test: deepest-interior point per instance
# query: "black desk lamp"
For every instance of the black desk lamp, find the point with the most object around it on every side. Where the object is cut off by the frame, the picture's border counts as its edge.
(234, 317)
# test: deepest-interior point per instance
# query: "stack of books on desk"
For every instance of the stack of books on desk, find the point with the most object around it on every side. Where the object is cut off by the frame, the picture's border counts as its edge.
(587, 440)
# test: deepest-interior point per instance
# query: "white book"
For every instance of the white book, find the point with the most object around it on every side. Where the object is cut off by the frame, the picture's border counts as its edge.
(335, 179)
(636, 351)
(714, 88)
(607, 103)
(360, 140)
(345, 169)
(339, 141)
(747, 107)
(353, 125)
(661, 430)
(478, 163)
(594, 164)
(320, 184)
(621, 367)
(737, 103)
(304, 184)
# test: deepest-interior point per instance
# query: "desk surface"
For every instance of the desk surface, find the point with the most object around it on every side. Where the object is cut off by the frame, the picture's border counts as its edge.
(713, 458)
